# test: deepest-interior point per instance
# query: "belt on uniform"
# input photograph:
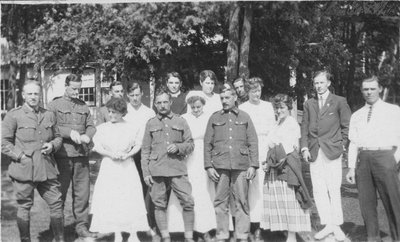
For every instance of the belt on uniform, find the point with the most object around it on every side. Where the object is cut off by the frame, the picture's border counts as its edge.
(377, 148)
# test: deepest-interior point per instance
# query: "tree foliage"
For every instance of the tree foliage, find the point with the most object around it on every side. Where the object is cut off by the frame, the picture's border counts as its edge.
(146, 40)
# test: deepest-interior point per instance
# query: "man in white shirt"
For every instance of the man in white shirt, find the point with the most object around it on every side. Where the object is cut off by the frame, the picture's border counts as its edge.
(374, 153)
(138, 115)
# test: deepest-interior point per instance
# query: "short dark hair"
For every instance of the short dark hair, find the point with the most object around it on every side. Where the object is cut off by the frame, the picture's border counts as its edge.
(160, 91)
(372, 79)
(239, 79)
(118, 104)
(253, 83)
(228, 87)
(194, 99)
(132, 86)
(283, 98)
(115, 83)
(208, 73)
(173, 74)
(72, 78)
(325, 72)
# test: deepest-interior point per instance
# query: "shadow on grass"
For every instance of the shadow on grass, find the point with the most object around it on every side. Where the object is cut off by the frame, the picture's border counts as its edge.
(349, 190)
(357, 232)
(47, 235)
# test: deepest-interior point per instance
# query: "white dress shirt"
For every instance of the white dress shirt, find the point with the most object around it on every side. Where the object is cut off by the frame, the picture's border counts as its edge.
(323, 96)
(139, 117)
(383, 129)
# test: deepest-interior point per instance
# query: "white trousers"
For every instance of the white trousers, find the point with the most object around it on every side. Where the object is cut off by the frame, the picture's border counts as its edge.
(326, 177)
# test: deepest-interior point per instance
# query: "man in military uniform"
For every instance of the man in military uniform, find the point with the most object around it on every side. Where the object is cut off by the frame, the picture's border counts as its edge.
(77, 129)
(29, 139)
(231, 160)
(166, 143)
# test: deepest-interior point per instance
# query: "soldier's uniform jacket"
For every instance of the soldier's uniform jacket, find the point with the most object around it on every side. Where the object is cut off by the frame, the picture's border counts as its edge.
(230, 141)
(25, 132)
(72, 114)
(160, 132)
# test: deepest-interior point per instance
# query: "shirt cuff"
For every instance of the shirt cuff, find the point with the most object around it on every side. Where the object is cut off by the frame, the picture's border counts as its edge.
(352, 155)
(303, 149)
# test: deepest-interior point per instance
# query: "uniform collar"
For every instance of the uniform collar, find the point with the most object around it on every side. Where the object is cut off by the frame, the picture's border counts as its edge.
(28, 109)
(234, 110)
(170, 115)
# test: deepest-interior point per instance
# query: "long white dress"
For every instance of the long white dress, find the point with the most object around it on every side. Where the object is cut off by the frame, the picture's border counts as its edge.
(117, 203)
(203, 189)
(263, 118)
(212, 105)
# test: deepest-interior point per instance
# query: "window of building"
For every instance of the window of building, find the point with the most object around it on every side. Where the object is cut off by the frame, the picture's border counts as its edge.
(88, 95)
(4, 86)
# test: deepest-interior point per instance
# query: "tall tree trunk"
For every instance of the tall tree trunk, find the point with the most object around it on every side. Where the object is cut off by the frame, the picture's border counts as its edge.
(245, 41)
(20, 83)
(97, 83)
(12, 92)
(352, 68)
(233, 43)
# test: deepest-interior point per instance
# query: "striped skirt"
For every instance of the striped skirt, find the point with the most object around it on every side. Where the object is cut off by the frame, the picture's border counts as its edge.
(282, 211)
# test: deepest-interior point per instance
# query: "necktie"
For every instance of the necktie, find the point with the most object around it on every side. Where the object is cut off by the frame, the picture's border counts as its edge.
(321, 102)
(369, 114)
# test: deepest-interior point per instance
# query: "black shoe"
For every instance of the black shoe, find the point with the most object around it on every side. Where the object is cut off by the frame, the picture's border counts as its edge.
(85, 233)
(166, 239)
(258, 236)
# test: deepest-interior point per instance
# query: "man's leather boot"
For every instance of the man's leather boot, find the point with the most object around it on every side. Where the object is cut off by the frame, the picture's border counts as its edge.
(57, 226)
(24, 230)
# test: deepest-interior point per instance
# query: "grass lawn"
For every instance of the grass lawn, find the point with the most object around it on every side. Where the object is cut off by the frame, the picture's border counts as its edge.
(353, 226)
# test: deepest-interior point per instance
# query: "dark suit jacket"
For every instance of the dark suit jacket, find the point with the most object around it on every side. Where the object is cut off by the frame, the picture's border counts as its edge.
(327, 129)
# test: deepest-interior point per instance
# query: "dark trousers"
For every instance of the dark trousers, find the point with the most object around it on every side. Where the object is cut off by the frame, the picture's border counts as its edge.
(49, 190)
(76, 170)
(376, 170)
(232, 183)
(182, 188)
(146, 192)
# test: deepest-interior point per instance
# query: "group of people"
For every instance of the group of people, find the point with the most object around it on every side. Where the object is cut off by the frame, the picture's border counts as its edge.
(199, 161)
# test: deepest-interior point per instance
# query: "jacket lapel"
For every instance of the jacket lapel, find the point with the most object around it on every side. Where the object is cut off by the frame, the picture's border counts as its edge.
(42, 111)
(315, 105)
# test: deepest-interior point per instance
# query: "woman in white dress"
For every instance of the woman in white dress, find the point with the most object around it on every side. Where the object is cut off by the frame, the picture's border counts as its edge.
(208, 80)
(263, 116)
(117, 203)
(202, 187)
(282, 211)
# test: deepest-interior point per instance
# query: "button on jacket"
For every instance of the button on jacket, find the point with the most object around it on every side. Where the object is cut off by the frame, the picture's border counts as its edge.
(230, 141)
(25, 132)
(72, 114)
(160, 132)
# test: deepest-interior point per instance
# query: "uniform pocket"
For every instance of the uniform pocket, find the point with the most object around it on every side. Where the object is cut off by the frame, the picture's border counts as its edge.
(177, 134)
(219, 130)
(240, 131)
(26, 132)
(155, 133)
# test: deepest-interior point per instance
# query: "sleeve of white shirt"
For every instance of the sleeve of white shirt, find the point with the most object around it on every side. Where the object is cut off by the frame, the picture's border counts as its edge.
(353, 147)
(397, 130)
